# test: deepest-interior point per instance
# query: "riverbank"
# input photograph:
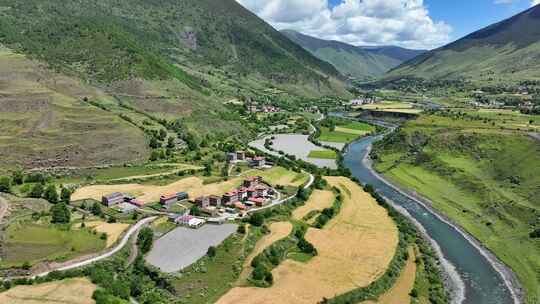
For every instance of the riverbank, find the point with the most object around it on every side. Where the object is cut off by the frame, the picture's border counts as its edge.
(508, 276)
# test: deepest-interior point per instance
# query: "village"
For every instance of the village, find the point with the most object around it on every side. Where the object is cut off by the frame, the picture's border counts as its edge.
(195, 212)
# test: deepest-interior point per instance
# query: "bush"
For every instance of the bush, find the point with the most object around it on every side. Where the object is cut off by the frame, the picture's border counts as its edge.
(211, 252)
(5, 184)
(257, 220)
(60, 214)
(145, 240)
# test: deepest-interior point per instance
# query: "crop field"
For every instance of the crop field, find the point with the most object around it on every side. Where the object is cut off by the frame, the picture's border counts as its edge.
(399, 293)
(30, 242)
(396, 107)
(72, 291)
(338, 267)
(113, 231)
(278, 231)
(44, 121)
(194, 186)
(483, 177)
(326, 154)
(318, 200)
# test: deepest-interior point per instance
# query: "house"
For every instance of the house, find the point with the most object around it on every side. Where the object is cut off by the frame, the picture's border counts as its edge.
(112, 199)
(261, 191)
(258, 201)
(231, 157)
(168, 199)
(258, 162)
(211, 211)
(126, 208)
(242, 194)
(203, 202)
(182, 196)
(188, 221)
(240, 206)
(215, 200)
(137, 203)
(251, 192)
(230, 197)
(252, 181)
(241, 155)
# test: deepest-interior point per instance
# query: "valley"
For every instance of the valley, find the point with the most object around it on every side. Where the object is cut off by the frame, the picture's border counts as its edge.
(230, 151)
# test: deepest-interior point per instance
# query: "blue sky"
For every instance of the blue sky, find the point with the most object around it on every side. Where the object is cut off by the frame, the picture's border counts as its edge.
(467, 16)
(417, 24)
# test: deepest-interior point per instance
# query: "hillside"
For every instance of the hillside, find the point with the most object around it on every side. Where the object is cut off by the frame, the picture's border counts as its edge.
(503, 52)
(479, 168)
(137, 65)
(358, 62)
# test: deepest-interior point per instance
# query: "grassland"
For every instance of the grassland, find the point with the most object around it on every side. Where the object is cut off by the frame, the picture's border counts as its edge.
(35, 242)
(72, 291)
(345, 132)
(113, 230)
(326, 154)
(338, 267)
(482, 172)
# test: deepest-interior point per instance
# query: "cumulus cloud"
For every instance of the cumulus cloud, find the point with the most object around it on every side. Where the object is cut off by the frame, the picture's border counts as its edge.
(535, 2)
(360, 22)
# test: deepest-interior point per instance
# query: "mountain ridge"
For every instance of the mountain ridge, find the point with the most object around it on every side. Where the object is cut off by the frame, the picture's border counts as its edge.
(508, 50)
(362, 62)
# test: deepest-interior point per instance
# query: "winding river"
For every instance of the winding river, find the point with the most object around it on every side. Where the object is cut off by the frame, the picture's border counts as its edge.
(475, 279)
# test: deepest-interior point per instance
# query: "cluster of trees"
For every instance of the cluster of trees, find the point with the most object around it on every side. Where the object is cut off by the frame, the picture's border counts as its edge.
(145, 240)
(328, 213)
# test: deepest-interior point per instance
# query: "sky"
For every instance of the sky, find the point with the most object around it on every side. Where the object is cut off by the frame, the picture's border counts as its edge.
(417, 24)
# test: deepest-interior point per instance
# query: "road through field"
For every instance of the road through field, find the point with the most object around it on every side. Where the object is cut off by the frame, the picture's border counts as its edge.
(107, 254)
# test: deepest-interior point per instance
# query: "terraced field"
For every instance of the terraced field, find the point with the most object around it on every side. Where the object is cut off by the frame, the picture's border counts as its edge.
(338, 267)
(44, 121)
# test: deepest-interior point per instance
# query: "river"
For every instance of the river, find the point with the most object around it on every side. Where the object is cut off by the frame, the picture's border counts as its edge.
(476, 281)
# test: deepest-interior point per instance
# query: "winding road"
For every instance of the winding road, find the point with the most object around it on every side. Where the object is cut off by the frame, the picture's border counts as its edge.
(133, 229)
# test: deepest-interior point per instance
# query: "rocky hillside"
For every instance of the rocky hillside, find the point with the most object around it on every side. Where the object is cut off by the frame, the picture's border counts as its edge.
(353, 61)
(503, 52)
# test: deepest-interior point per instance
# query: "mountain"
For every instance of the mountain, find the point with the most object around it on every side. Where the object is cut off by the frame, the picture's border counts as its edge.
(358, 62)
(87, 82)
(508, 51)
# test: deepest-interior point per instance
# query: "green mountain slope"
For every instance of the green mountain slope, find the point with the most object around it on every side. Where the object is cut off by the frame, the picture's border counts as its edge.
(505, 51)
(134, 59)
(357, 62)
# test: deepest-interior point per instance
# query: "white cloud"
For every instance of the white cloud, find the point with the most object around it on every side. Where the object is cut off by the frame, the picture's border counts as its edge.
(535, 2)
(361, 22)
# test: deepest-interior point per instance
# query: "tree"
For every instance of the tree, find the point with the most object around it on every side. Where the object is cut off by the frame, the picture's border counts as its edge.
(194, 210)
(208, 169)
(18, 177)
(65, 195)
(60, 214)
(51, 194)
(145, 240)
(170, 143)
(37, 191)
(257, 220)
(212, 251)
(96, 209)
(5, 184)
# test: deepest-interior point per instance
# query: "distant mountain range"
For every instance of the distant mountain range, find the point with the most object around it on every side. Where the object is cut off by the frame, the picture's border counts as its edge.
(361, 62)
(508, 51)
